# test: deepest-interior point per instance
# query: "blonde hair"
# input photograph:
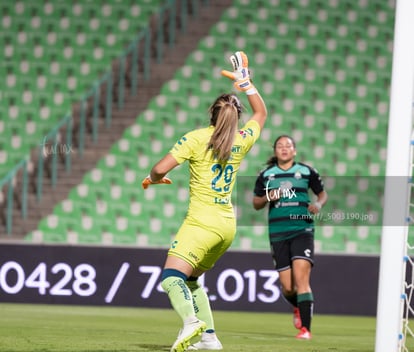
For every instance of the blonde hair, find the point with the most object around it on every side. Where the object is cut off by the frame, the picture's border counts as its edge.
(225, 114)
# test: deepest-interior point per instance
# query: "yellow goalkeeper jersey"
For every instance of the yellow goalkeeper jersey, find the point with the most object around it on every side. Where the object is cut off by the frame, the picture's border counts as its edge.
(212, 182)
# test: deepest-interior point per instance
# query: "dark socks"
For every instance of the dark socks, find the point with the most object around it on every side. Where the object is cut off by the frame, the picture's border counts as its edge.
(305, 305)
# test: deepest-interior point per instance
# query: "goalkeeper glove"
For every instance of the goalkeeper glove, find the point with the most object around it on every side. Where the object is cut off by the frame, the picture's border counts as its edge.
(147, 181)
(240, 74)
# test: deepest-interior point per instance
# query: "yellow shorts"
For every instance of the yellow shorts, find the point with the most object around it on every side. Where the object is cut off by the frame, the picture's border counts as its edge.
(202, 243)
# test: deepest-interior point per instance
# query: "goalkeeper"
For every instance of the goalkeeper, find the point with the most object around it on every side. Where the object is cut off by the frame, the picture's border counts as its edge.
(214, 154)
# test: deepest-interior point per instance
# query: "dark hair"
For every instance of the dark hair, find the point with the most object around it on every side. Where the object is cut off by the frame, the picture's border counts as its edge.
(273, 159)
(224, 116)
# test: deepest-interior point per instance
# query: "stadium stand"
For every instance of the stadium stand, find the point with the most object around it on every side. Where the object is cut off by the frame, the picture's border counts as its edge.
(324, 69)
(53, 52)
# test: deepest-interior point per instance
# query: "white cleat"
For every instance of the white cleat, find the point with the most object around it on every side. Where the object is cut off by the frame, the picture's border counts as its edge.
(208, 342)
(188, 332)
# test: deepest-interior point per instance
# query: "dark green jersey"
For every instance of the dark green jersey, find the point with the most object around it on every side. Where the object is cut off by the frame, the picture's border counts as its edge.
(289, 216)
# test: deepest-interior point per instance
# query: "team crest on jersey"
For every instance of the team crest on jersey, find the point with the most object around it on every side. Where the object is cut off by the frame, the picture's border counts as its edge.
(298, 175)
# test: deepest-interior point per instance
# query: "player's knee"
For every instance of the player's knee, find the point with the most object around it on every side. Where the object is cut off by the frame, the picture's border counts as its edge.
(288, 291)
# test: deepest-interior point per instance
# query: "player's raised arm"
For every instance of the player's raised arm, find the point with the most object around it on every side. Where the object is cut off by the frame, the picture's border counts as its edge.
(243, 83)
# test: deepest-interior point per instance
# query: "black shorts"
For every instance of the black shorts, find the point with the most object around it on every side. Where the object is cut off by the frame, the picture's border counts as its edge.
(298, 247)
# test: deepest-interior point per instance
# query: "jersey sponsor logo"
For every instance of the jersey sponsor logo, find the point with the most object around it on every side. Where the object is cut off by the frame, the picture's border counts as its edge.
(224, 200)
(236, 149)
(184, 289)
(245, 84)
(193, 256)
(289, 204)
(246, 132)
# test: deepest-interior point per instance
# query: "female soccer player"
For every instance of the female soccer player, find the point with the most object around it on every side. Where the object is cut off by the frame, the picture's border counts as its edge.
(214, 155)
(284, 185)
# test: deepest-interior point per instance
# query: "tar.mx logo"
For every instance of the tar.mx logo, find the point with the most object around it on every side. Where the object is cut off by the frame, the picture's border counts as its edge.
(49, 148)
(283, 191)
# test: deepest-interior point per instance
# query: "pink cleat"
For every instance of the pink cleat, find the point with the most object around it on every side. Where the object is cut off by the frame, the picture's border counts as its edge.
(304, 334)
(297, 321)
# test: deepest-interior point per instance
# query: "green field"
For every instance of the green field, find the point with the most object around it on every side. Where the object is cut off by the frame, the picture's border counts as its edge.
(47, 328)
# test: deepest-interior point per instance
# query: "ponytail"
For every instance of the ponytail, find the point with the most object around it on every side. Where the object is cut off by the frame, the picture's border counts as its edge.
(225, 114)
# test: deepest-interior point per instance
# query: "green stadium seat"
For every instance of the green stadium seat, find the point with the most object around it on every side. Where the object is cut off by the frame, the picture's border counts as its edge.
(82, 196)
(122, 232)
(87, 230)
(97, 182)
(68, 212)
(251, 238)
(51, 230)
(160, 232)
(109, 167)
(329, 240)
(366, 239)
